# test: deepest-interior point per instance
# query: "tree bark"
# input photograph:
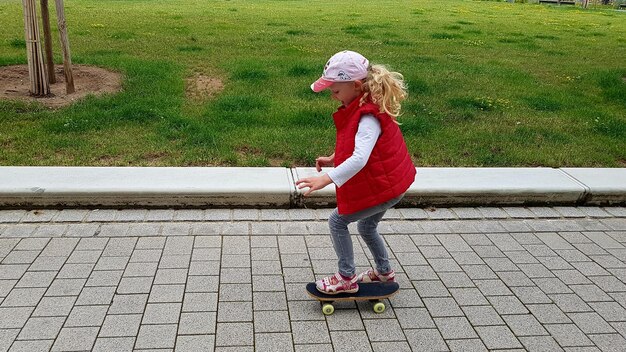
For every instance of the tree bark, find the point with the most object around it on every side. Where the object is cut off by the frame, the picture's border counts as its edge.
(47, 40)
(65, 48)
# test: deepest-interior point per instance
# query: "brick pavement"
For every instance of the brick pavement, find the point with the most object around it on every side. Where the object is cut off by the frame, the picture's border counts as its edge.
(535, 278)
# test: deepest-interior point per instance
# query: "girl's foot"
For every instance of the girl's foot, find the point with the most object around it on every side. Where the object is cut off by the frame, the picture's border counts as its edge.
(337, 284)
(372, 275)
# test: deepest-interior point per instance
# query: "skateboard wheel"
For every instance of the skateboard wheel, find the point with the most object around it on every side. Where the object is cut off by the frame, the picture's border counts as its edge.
(328, 309)
(379, 307)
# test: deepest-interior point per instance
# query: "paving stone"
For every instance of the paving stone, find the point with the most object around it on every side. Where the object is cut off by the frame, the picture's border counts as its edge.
(20, 257)
(174, 261)
(86, 316)
(195, 343)
(11, 216)
(23, 297)
(31, 346)
(200, 302)
(425, 340)
(119, 344)
(271, 321)
(515, 279)
(167, 293)
(157, 243)
(75, 339)
(142, 270)
(442, 307)
(356, 340)
(104, 278)
(90, 230)
(121, 325)
(170, 276)
(45, 328)
(35, 279)
(609, 311)
(234, 312)
(482, 315)
(420, 272)
(590, 293)
(571, 277)
(570, 303)
(595, 212)
(431, 288)
(269, 301)
(344, 319)
(19, 230)
(530, 295)
(54, 306)
(455, 328)
(235, 292)
(609, 283)
(507, 305)
(524, 325)
(493, 287)
(468, 296)
(456, 280)
(609, 342)
(202, 283)
(540, 343)
(84, 257)
(7, 336)
(161, 313)
(307, 332)
(591, 323)
(128, 304)
(156, 336)
(570, 212)
(143, 229)
(14, 317)
(196, 323)
(498, 337)
(522, 257)
(129, 285)
(236, 334)
(568, 335)
(6, 286)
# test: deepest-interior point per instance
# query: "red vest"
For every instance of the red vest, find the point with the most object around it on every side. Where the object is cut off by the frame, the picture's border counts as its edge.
(389, 171)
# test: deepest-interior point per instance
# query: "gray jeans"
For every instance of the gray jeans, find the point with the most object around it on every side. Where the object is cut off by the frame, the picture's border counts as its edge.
(367, 226)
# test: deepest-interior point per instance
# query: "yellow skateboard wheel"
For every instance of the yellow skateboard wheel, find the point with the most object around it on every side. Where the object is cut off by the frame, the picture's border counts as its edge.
(379, 307)
(328, 309)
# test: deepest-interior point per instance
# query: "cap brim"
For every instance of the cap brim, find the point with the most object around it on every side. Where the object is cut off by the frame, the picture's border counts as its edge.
(320, 85)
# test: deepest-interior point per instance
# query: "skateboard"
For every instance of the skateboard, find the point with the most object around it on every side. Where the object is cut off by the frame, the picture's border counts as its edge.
(373, 292)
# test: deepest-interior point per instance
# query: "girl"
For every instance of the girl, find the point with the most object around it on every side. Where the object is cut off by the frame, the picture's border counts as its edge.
(373, 166)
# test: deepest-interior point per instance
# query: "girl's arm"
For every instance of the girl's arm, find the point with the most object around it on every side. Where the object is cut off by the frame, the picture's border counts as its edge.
(364, 141)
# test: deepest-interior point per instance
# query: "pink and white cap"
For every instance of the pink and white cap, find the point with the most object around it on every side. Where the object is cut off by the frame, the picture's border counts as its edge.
(345, 66)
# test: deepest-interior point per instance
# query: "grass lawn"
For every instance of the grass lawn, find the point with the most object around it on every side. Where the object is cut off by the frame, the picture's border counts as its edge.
(491, 83)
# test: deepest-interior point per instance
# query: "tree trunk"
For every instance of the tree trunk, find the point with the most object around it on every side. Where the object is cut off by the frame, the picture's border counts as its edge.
(65, 48)
(36, 70)
(47, 39)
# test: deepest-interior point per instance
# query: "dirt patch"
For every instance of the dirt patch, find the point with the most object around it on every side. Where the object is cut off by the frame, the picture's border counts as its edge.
(15, 84)
(201, 87)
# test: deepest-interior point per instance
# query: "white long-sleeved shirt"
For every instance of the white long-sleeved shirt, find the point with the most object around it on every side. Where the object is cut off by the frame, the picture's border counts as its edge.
(366, 136)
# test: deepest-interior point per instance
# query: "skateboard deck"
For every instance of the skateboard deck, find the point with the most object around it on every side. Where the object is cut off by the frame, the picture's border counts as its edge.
(366, 292)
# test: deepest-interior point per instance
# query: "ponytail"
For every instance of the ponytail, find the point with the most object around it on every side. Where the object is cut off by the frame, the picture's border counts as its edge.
(385, 89)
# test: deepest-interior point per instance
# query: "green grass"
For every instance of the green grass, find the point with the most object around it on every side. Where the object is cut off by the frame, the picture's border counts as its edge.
(491, 83)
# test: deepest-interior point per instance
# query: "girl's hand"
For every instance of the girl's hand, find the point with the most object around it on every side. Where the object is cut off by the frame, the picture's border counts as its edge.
(313, 183)
(324, 161)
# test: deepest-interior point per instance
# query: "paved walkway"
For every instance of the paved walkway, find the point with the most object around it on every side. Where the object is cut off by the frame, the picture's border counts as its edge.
(537, 279)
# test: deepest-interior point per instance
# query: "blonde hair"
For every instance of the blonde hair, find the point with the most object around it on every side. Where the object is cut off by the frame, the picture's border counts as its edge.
(385, 88)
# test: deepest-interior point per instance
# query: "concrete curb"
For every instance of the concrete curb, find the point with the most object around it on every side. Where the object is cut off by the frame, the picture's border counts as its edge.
(180, 187)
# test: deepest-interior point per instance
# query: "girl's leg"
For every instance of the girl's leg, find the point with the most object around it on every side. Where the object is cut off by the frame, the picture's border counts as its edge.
(368, 229)
(342, 242)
